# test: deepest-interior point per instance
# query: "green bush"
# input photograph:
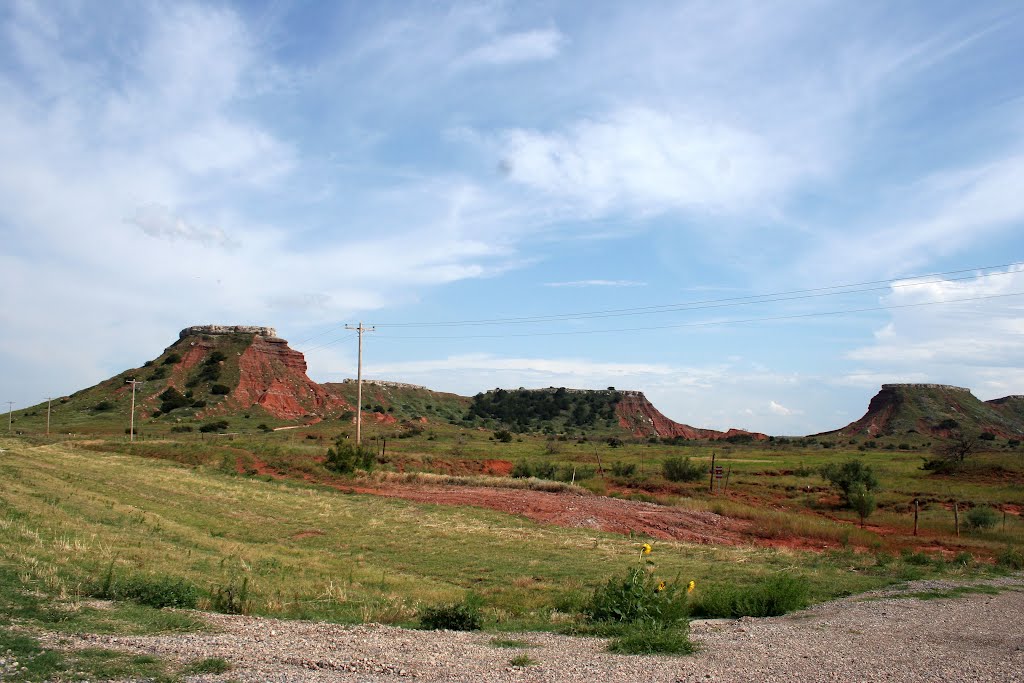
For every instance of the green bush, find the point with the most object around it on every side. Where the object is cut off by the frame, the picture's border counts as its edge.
(220, 389)
(178, 429)
(103, 406)
(681, 469)
(770, 597)
(218, 426)
(653, 639)
(346, 457)
(172, 399)
(981, 517)
(144, 589)
(172, 359)
(503, 435)
(460, 616)
(1011, 558)
(638, 597)
(621, 469)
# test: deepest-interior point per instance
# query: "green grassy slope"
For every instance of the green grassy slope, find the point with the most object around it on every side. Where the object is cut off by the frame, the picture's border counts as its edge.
(306, 551)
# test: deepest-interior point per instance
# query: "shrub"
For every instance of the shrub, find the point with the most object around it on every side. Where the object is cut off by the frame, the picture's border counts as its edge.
(464, 616)
(103, 406)
(681, 469)
(503, 435)
(987, 436)
(172, 358)
(198, 404)
(621, 469)
(216, 357)
(172, 399)
(220, 389)
(981, 517)
(159, 373)
(151, 590)
(177, 429)
(262, 426)
(346, 457)
(1011, 558)
(218, 426)
(770, 597)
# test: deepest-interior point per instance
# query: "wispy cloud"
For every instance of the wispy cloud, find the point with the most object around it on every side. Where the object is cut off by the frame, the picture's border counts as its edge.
(516, 48)
(597, 283)
(159, 221)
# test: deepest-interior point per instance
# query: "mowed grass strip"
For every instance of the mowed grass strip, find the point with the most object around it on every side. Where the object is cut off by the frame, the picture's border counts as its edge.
(313, 552)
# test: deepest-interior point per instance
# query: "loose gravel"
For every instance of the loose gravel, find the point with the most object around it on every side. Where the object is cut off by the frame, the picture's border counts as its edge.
(877, 636)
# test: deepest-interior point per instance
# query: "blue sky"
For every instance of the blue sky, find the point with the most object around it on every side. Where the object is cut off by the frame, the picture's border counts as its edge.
(305, 165)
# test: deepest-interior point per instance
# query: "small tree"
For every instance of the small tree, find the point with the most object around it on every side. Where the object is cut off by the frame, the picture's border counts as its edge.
(862, 501)
(955, 450)
(848, 475)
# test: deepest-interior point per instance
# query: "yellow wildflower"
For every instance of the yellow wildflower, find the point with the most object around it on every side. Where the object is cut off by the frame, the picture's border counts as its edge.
(691, 586)
(661, 587)
(645, 549)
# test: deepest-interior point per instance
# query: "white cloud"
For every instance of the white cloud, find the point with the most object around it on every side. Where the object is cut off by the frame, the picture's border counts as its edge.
(651, 161)
(597, 283)
(966, 343)
(159, 221)
(516, 48)
(779, 409)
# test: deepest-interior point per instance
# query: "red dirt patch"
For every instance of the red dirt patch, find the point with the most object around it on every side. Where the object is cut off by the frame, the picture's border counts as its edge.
(587, 512)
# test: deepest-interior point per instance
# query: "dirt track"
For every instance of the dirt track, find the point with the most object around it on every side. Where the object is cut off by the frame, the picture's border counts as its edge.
(873, 637)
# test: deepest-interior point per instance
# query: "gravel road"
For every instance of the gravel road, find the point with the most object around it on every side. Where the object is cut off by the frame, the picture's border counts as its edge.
(877, 636)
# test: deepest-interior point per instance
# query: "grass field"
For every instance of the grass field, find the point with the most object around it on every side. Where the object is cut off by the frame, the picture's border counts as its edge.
(73, 514)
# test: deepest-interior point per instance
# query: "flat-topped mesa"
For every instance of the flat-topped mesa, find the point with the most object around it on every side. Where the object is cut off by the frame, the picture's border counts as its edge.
(911, 385)
(385, 383)
(228, 329)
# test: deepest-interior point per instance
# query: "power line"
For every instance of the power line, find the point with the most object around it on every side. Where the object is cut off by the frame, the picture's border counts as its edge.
(772, 297)
(709, 323)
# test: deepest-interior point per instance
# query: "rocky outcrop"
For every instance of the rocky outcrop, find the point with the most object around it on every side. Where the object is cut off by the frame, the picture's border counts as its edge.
(273, 375)
(227, 329)
(641, 418)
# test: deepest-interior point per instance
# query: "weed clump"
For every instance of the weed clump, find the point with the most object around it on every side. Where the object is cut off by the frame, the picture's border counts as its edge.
(981, 518)
(1010, 558)
(150, 590)
(459, 616)
(771, 597)
(232, 598)
(645, 615)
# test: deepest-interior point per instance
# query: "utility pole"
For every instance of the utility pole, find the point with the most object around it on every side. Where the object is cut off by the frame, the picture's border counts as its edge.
(48, 400)
(131, 430)
(10, 415)
(359, 381)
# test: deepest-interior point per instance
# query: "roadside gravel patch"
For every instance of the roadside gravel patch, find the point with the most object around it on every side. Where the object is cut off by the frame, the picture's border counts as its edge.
(877, 636)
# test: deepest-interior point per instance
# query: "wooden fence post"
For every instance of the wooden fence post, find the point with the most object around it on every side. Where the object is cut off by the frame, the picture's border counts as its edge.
(956, 518)
(916, 507)
(711, 480)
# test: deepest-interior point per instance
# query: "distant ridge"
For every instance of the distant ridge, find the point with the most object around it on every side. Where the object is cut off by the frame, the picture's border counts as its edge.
(936, 409)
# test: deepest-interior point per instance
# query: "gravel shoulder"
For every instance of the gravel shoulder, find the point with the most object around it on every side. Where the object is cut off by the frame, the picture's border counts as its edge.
(878, 636)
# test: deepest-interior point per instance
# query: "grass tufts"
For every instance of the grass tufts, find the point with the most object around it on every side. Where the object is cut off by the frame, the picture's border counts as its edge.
(770, 597)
